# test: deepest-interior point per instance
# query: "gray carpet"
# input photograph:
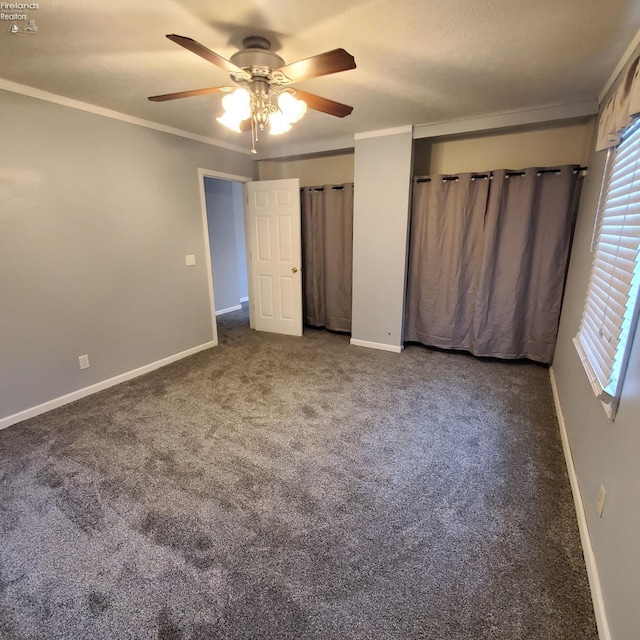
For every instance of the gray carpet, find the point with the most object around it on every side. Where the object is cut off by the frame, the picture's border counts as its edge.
(280, 487)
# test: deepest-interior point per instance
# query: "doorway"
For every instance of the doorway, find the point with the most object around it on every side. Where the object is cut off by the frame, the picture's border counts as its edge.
(223, 218)
(263, 222)
(225, 221)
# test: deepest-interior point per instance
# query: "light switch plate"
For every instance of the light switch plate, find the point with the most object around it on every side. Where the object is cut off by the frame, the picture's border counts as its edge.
(190, 259)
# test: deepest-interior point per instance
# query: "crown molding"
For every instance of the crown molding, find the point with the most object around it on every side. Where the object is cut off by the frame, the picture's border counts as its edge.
(503, 120)
(383, 132)
(290, 150)
(39, 94)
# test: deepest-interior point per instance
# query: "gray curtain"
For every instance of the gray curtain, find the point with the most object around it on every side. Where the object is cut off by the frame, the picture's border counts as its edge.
(487, 261)
(327, 247)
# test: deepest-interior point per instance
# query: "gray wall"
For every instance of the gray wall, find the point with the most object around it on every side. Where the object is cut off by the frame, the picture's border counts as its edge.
(326, 168)
(222, 205)
(603, 451)
(96, 217)
(241, 243)
(381, 209)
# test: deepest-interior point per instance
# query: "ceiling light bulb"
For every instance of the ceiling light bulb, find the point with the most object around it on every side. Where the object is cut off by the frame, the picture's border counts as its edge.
(278, 124)
(291, 108)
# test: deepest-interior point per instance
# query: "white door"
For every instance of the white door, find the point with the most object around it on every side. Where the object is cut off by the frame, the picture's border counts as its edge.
(273, 211)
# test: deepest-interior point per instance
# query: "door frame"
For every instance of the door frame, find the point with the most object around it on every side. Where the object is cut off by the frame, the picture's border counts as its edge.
(219, 175)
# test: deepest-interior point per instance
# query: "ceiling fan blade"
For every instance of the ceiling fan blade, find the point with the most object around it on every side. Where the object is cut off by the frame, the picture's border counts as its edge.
(186, 94)
(205, 53)
(321, 65)
(325, 105)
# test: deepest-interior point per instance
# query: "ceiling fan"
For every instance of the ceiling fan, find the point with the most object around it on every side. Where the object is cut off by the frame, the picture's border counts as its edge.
(263, 93)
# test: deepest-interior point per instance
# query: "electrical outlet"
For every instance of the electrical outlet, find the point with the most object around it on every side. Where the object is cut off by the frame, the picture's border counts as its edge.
(83, 361)
(190, 259)
(602, 496)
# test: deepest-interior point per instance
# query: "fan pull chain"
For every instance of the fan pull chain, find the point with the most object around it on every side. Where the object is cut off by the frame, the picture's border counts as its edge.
(254, 135)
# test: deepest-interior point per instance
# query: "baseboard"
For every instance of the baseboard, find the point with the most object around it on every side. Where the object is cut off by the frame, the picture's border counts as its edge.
(99, 386)
(376, 345)
(229, 310)
(244, 299)
(589, 557)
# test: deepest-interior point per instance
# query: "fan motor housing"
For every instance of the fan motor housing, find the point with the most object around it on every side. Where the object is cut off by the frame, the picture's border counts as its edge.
(257, 53)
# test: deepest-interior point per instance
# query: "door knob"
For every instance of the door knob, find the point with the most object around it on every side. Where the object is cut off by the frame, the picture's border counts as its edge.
(294, 269)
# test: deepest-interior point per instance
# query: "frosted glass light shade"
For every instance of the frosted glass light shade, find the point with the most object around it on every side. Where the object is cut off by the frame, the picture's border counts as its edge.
(230, 121)
(278, 123)
(237, 107)
(291, 108)
(238, 103)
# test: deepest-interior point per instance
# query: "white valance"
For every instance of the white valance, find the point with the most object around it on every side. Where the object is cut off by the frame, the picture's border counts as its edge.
(621, 109)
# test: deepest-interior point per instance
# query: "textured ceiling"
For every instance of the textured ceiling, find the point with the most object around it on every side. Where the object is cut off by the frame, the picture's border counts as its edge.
(419, 61)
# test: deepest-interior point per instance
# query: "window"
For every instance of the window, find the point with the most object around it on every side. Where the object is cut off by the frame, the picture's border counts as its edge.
(611, 309)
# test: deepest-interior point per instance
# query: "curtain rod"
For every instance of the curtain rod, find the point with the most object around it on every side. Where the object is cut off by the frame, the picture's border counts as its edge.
(508, 174)
(336, 188)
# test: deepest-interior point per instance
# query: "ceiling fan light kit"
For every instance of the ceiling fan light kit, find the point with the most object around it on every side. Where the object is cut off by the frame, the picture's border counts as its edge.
(264, 96)
(264, 106)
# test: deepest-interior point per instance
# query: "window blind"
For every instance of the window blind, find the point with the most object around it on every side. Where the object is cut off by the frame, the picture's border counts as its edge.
(611, 308)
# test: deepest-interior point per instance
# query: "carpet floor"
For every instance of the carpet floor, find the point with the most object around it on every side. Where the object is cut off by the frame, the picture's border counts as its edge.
(277, 487)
